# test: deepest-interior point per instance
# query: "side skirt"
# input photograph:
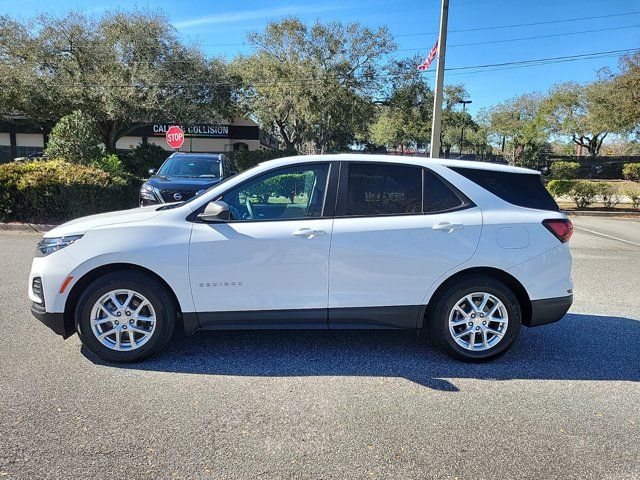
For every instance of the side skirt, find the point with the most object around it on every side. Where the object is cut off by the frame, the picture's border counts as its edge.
(384, 317)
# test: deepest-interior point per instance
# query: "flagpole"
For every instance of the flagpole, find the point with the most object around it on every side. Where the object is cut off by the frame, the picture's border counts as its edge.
(437, 101)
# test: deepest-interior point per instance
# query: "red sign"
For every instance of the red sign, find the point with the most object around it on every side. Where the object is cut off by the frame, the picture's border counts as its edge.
(175, 137)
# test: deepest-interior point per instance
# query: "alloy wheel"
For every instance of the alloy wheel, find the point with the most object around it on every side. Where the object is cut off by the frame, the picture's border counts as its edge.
(478, 321)
(123, 320)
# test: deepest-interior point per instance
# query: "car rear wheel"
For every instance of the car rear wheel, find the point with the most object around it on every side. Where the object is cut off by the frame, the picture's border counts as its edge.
(125, 316)
(475, 319)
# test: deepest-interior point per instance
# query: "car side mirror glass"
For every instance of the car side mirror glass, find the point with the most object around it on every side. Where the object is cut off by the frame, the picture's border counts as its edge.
(215, 212)
(152, 171)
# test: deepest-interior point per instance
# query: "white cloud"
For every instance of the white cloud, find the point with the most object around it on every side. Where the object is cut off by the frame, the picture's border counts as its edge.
(219, 18)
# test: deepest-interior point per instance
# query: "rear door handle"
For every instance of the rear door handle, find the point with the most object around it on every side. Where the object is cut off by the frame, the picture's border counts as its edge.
(308, 233)
(448, 227)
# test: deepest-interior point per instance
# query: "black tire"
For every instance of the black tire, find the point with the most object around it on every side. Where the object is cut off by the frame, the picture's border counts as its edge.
(154, 291)
(438, 317)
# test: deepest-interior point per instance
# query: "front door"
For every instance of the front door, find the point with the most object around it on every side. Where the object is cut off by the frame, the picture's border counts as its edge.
(269, 265)
(397, 229)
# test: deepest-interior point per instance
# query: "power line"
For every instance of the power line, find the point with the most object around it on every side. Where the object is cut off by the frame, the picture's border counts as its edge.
(477, 29)
(517, 25)
(566, 57)
(467, 69)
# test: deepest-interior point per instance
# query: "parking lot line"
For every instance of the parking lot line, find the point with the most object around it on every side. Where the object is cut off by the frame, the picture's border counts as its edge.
(606, 236)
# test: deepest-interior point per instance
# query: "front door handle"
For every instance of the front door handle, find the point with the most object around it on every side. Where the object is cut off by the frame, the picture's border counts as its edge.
(308, 233)
(448, 227)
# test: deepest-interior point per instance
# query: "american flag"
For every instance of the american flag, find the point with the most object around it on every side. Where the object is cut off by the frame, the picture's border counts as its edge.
(427, 63)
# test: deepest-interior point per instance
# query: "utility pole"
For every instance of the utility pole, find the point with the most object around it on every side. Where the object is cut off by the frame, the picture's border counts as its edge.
(437, 101)
(464, 108)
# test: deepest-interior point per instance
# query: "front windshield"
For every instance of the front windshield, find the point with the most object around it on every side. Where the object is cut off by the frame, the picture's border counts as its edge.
(191, 166)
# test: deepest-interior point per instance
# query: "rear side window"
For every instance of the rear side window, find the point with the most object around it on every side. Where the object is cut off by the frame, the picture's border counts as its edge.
(521, 189)
(383, 189)
(438, 196)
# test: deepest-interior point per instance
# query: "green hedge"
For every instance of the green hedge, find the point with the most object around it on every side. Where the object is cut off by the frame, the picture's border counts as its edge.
(631, 171)
(565, 170)
(246, 159)
(55, 191)
(584, 192)
(145, 156)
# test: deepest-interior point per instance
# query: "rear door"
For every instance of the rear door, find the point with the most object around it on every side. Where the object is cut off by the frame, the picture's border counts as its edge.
(397, 229)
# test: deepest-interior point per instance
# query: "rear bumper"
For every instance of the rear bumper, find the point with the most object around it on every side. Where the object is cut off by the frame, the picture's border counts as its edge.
(55, 321)
(549, 310)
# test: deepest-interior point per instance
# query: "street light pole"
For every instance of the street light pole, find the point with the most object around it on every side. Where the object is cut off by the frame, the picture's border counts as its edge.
(437, 101)
(464, 108)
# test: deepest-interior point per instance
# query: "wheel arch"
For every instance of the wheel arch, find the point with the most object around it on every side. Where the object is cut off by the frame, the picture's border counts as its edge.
(509, 280)
(82, 283)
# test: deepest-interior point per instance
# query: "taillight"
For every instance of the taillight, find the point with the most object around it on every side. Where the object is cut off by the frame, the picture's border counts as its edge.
(562, 228)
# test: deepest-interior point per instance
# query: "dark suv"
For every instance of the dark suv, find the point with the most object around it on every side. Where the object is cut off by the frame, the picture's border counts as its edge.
(184, 175)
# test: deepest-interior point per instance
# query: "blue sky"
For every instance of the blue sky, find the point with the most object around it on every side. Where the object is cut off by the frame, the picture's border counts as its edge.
(218, 24)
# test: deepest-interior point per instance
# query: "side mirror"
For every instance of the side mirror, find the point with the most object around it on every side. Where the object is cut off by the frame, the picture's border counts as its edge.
(152, 171)
(215, 212)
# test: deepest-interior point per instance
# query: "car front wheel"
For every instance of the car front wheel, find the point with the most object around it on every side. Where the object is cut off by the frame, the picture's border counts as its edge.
(125, 316)
(475, 319)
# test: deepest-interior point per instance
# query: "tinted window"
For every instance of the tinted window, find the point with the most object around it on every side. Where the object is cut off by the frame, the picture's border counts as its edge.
(438, 196)
(191, 166)
(382, 189)
(287, 193)
(522, 189)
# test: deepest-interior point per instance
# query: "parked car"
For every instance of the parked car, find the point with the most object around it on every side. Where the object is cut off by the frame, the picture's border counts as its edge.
(183, 175)
(466, 251)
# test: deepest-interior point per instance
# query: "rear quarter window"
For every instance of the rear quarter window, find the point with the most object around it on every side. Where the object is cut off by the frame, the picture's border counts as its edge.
(521, 189)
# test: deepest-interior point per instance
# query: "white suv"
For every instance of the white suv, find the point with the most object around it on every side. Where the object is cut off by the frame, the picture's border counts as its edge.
(467, 251)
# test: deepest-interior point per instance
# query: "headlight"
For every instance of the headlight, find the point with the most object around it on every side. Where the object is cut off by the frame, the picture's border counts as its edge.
(147, 192)
(50, 245)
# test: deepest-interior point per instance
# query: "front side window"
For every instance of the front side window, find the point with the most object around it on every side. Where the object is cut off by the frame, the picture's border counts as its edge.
(285, 194)
(383, 189)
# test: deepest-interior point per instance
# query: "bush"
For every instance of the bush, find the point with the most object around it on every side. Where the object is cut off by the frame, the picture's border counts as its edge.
(143, 157)
(565, 170)
(246, 159)
(56, 190)
(610, 197)
(631, 171)
(560, 188)
(584, 193)
(75, 138)
(634, 195)
(110, 164)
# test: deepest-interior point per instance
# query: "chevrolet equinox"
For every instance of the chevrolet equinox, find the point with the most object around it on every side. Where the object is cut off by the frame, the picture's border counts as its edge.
(465, 251)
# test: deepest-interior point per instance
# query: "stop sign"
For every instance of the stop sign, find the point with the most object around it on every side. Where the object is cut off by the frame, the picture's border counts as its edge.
(175, 136)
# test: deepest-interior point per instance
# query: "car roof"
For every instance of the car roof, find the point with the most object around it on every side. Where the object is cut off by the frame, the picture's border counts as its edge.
(407, 160)
(198, 154)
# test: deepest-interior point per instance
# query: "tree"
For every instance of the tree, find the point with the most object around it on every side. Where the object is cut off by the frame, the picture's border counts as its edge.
(623, 94)
(121, 69)
(312, 86)
(75, 139)
(404, 120)
(518, 129)
(584, 113)
(454, 121)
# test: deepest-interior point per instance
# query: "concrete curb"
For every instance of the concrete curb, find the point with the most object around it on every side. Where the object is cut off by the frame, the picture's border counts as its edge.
(25, 227)
(598, 213)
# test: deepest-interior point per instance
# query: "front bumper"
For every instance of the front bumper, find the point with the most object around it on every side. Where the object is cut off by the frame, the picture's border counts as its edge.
(55, 321)
(549, 310)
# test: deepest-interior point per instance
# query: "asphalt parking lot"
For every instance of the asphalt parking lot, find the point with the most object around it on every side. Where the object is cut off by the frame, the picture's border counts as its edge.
(563, 403)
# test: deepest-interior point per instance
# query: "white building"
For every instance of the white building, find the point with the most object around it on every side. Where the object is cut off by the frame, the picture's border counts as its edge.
(19, 139)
